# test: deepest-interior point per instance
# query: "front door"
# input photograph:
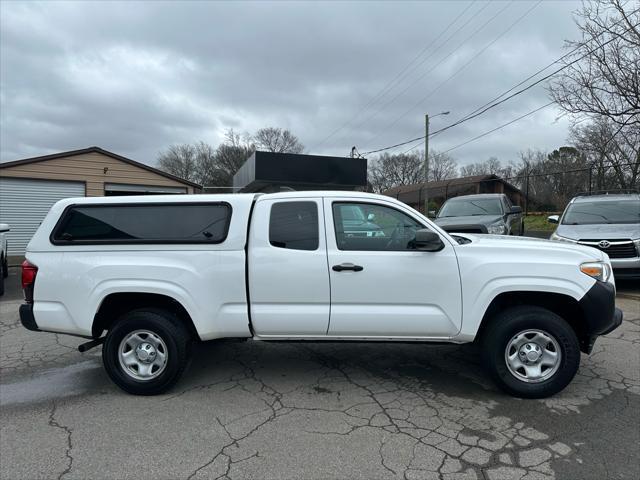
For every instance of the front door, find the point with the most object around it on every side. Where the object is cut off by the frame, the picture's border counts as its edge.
(380, 285)
(287, 268)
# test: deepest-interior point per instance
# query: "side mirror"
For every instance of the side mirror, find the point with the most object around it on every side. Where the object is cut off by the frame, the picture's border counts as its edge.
(553, 218)
(4, 227)
(427, 241)
(516, 209)
(371, 217)
(432, 214)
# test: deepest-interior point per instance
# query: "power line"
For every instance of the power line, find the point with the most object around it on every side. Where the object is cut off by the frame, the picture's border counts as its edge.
(488, 106)
(485, 133)
(394, 146)
(490, 131)
(401, 75)
(433, 67)
(499, 127)
(474, 57)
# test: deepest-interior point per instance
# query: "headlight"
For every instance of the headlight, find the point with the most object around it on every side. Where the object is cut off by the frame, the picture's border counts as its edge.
(599, 271)
(496, 228)
(555, 236)
(637, 244)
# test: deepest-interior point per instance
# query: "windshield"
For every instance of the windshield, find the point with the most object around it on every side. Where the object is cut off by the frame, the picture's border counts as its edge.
(591, 213)
(475, 206)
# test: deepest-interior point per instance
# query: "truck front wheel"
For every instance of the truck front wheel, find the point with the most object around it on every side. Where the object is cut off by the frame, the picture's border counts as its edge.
(146, 351)
(531, 352)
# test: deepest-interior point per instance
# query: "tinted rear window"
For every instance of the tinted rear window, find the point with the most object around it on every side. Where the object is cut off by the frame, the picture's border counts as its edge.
(294, 225)
(148, 223)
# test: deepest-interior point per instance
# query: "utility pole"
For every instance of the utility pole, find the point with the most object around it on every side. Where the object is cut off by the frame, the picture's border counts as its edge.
(426, 165)
(526, 194)
(426, 161)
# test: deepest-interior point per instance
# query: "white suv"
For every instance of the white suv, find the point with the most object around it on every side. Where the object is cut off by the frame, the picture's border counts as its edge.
(608, 222)
(157, 273)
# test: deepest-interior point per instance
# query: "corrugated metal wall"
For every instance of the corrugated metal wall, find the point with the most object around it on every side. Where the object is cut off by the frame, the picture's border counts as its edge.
(24, 203)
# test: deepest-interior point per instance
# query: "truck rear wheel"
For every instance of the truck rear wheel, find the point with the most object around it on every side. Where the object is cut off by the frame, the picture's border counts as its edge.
(146, 351)
(531, 352)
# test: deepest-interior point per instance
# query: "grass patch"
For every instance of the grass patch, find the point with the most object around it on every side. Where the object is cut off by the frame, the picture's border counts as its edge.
(538, 222)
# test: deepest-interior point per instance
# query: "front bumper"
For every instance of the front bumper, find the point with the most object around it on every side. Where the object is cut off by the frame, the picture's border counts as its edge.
(26, 317)
(600, 314)
(617, 321)
(626, 268)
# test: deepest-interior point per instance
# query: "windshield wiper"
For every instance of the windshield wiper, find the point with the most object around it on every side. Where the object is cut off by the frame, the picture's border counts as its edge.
(481, 208)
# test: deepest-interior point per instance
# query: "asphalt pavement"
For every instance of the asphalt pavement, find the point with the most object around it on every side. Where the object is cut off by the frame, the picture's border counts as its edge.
(314, 411)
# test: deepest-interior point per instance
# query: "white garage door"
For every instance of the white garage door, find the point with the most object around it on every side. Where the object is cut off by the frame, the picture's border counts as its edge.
(24, 203)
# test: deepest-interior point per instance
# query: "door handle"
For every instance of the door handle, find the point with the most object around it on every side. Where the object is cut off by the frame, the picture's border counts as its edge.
(347, 266)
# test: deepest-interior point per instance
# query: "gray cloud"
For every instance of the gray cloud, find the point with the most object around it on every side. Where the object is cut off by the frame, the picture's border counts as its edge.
(136, 77)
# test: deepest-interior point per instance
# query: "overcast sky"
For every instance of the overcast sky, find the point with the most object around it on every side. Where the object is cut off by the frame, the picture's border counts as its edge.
(134, 78)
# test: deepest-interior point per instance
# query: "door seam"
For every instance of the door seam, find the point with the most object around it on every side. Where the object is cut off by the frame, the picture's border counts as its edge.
(326, 252)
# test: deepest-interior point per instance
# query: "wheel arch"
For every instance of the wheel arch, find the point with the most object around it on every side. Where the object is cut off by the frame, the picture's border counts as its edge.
(563, 305)
(114, 305)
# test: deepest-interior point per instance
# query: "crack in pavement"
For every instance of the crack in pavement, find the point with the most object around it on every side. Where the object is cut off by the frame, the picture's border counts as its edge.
(274, 407)
(68, 432)
(388, 411)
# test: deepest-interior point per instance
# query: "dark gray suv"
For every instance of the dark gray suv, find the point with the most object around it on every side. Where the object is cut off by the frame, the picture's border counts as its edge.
(483, 213)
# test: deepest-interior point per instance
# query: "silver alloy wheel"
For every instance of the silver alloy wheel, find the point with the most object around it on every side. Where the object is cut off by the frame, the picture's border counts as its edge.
(533, 356)
(143, 355)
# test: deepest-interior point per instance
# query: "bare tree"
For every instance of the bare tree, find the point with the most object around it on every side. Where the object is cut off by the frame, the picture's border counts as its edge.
(602, 77)
(388, 171)
(277, 140)
(567, 174)
(230, 156)
(491, 166)
(193, 162)
(442, 166)
(551, 179)
(180, 160)
(207, 165)
(613, 157)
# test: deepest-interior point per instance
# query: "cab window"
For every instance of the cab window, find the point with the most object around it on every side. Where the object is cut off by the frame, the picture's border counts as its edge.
(294, 225)
(372, 227)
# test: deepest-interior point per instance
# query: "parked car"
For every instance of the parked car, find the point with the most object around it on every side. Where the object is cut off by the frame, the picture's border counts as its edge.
(484, 213)
(4, 263)
(608, 222)
(357, 224)
(158, 273)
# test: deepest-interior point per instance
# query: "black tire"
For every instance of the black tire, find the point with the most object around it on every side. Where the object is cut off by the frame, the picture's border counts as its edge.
(161, 323)
(508, 324)
(5, 268)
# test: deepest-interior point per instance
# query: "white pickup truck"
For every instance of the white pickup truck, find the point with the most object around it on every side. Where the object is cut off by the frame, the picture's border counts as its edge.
(157, 273)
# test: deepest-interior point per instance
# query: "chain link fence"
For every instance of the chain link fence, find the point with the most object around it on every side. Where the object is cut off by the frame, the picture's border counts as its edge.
(535, 192)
